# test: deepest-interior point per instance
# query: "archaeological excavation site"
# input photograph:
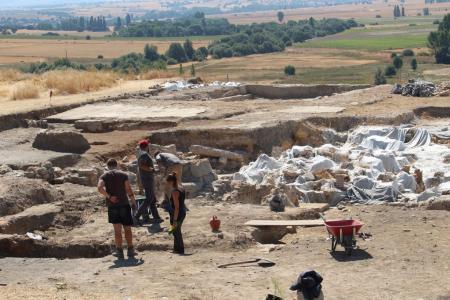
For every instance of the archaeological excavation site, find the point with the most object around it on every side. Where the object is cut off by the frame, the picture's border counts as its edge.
(274, 163)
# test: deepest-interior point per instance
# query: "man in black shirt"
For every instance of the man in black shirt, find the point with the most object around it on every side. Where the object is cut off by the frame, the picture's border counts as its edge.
(146, 173)
(116, 188)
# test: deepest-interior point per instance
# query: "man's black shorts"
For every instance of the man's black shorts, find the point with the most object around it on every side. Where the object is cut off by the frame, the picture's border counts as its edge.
(120, 215)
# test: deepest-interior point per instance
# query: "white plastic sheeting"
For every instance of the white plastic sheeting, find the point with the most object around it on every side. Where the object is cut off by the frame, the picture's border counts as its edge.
(182, 84)
(373, 156)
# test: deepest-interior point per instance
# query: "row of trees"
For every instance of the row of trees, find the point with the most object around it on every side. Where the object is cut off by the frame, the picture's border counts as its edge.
(439, 41)
(80, 24)
(274, 37)
(191, 26)
(395, 67)
(151, 59)
(399, 11)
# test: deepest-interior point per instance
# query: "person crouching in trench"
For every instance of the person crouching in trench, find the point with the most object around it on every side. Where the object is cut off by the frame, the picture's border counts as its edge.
(116, 188)
(177, 211)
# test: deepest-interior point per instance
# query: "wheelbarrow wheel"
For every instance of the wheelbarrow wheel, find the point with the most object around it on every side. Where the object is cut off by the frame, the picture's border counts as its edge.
(333, 243)
(348, 250)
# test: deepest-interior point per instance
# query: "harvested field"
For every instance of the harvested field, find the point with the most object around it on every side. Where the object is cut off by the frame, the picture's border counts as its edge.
(27, 50)
(357, 11)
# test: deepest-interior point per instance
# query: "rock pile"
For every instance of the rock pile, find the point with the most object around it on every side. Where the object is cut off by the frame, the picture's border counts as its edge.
(415, 88)
(376, 164)
(61, 141)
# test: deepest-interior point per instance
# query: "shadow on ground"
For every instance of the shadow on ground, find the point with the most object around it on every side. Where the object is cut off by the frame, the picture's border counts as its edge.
(357, 254)
(126, 263)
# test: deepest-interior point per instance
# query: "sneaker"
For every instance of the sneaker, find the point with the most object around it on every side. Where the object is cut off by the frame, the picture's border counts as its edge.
(131, 253)
(119, 254)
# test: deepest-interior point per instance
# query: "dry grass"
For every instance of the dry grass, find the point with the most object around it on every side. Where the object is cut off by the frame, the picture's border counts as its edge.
(24, 90)
(157, 74)
(74, 82)
(11, 75)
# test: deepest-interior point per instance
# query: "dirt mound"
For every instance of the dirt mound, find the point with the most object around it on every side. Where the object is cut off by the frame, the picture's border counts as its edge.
(61, 141)
(17, 194)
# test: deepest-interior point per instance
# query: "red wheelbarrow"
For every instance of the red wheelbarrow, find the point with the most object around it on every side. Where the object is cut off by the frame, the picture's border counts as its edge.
(344, 233)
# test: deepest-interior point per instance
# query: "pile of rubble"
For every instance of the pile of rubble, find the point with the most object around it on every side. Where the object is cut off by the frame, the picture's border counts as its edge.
(376, 164)
(420, 88)
(415, 88)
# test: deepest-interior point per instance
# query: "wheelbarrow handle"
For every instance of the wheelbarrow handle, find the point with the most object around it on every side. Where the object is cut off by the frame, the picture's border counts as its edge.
(240, 263)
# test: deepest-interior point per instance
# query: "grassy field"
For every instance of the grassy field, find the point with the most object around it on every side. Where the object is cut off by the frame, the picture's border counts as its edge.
(384, 35)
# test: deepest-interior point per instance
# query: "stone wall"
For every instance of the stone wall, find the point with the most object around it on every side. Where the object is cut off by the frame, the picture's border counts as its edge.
(299, 90)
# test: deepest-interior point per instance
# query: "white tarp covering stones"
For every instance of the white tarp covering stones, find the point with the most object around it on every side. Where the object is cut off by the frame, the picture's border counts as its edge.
(183, 84)
(377, 163)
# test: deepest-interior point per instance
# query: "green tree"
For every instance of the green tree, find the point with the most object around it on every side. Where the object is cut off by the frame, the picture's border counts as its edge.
(201, 54)
(379, 77)
(397, 62)
(189, 49)
(390, 70)
(176, 52)
(118, 24)
(408, 52)
(414, 64)
(193, 70)
(127, 19)
(280, 16)
(181, 70)
(289, 70)
(151, 52)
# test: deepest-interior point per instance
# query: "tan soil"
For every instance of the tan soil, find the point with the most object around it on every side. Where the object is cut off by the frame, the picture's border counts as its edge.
(407, 258)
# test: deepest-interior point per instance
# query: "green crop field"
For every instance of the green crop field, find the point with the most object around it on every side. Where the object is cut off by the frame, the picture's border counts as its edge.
(379, 36)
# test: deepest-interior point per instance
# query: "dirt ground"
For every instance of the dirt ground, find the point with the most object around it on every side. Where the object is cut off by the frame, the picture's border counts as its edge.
(407, 258)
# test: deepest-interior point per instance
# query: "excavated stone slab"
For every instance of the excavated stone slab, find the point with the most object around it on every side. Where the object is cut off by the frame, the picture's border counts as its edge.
(38, 217)
(126, 111)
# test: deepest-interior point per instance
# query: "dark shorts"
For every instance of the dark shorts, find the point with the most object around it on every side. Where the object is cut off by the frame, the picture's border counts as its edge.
(120, 215)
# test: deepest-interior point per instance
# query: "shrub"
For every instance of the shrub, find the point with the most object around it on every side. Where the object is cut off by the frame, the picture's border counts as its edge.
(201, 54)
(176, 52)
(390, 71)
(378, 16)
(100, 56)
(289, 70)
(393, 54)
(397, 62)
(151, 52)
(135, 63)
(24, 90)
(59, 64)
(379, 77)
(408, 52)
(88, 37)
(414, 64)
(189, 49)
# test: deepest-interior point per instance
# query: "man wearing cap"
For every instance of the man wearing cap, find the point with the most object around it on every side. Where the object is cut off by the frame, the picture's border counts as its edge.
(146, 173)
